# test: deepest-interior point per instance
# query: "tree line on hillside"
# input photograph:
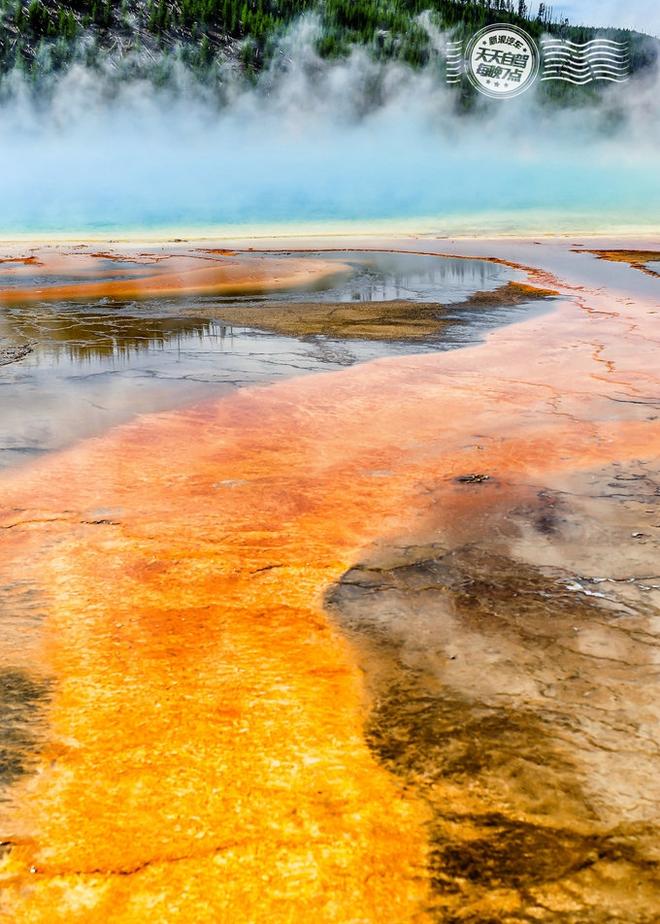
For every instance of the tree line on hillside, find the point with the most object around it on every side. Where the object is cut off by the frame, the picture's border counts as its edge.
(44, 36)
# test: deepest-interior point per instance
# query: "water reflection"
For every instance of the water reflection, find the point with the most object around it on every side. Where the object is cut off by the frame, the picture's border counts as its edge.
(379, 276)
(98, 364)
(87, 373)
(84, 337)
(358, 277)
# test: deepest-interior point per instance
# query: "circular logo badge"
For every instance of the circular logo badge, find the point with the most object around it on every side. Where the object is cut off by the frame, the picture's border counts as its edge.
(502, 61)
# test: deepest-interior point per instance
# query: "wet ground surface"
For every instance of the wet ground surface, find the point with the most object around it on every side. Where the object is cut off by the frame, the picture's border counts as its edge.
(69, 370)
(646, 261)
(21, 697)
(73, 370)
(251, 276)
(384, 277)
(514, 685)
(377, 645)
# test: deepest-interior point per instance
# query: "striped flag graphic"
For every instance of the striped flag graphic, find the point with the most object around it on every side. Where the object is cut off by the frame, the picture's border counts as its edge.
(454, 62)
(599, 59)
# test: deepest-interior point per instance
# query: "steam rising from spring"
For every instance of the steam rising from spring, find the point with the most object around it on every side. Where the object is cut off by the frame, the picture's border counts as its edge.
(314, 141)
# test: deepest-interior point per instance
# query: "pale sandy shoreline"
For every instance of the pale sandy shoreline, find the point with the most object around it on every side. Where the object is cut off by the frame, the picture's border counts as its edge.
(480, 227)
(307, 241)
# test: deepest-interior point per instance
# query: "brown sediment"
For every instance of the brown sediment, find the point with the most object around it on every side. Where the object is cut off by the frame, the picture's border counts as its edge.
(22, 261)
(21, 698)
(159, 275)
(508, 701)
(206, 758)
(393, 320)
(141, 258)
(636, 258)
(219, 250)
(14, 354)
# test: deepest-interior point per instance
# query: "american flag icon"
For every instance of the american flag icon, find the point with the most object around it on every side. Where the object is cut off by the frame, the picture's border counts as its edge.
(572, 62)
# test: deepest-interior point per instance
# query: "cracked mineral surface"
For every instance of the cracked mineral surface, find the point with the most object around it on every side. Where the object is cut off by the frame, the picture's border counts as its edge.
(375, 644)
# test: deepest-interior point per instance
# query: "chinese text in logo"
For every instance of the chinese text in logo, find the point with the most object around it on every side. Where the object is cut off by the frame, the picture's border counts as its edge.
(502, 61)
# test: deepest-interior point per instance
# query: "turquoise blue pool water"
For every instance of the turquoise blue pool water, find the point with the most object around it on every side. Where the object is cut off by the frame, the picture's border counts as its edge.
(115, 176)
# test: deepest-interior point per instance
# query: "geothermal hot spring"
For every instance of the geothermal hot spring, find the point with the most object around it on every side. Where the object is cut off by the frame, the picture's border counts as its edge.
(329, 580)
(323, 147)
(329, 506)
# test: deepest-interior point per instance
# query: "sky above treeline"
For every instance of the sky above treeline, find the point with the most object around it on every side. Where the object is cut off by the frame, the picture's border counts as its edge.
(643, 15)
